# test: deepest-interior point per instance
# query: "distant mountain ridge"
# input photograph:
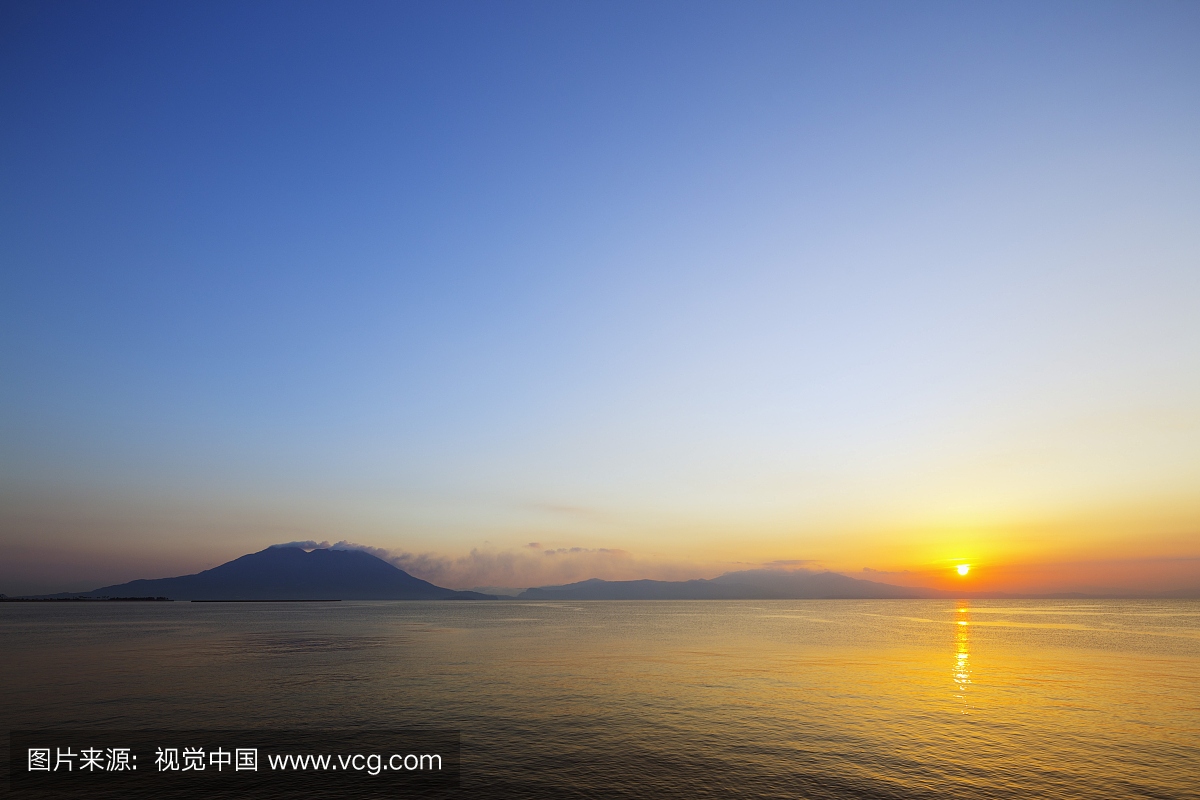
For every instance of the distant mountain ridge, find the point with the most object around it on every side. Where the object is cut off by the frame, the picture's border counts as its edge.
(760, 584)
(777, 584)
(292, 573)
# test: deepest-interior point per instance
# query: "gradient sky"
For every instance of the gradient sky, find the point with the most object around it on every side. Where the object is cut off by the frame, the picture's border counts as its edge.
(685, 286)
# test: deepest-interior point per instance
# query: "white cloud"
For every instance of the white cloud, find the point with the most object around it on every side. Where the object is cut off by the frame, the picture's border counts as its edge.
(531, 565)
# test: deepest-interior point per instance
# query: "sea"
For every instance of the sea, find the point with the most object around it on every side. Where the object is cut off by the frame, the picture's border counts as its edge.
(903, 699)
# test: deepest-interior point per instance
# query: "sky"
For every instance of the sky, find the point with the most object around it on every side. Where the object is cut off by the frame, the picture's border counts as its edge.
(522, 293)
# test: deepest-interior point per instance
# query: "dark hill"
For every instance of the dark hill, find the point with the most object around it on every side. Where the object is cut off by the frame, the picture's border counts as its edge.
(290, 573)
(748, 585)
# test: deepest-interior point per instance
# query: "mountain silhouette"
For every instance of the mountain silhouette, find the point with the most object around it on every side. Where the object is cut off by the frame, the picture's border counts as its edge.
(292, 573)
(760, 584)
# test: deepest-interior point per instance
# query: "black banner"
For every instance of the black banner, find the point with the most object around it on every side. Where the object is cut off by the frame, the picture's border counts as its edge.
(166, 764)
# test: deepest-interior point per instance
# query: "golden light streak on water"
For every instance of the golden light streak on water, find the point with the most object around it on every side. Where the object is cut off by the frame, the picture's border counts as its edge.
(961, 669)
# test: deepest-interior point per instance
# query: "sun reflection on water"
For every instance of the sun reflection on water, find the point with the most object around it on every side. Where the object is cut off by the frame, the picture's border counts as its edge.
(961, 671)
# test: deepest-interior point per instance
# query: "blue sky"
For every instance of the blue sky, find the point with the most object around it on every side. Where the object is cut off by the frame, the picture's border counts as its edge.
(870, 284)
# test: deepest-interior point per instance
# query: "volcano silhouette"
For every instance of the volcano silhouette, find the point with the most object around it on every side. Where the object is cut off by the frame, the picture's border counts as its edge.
(292, 573)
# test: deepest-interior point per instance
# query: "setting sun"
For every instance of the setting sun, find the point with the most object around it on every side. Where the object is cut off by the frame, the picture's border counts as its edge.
(963, 569)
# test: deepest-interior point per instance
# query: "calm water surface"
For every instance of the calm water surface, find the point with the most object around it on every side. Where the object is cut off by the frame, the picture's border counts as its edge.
(808, 699)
